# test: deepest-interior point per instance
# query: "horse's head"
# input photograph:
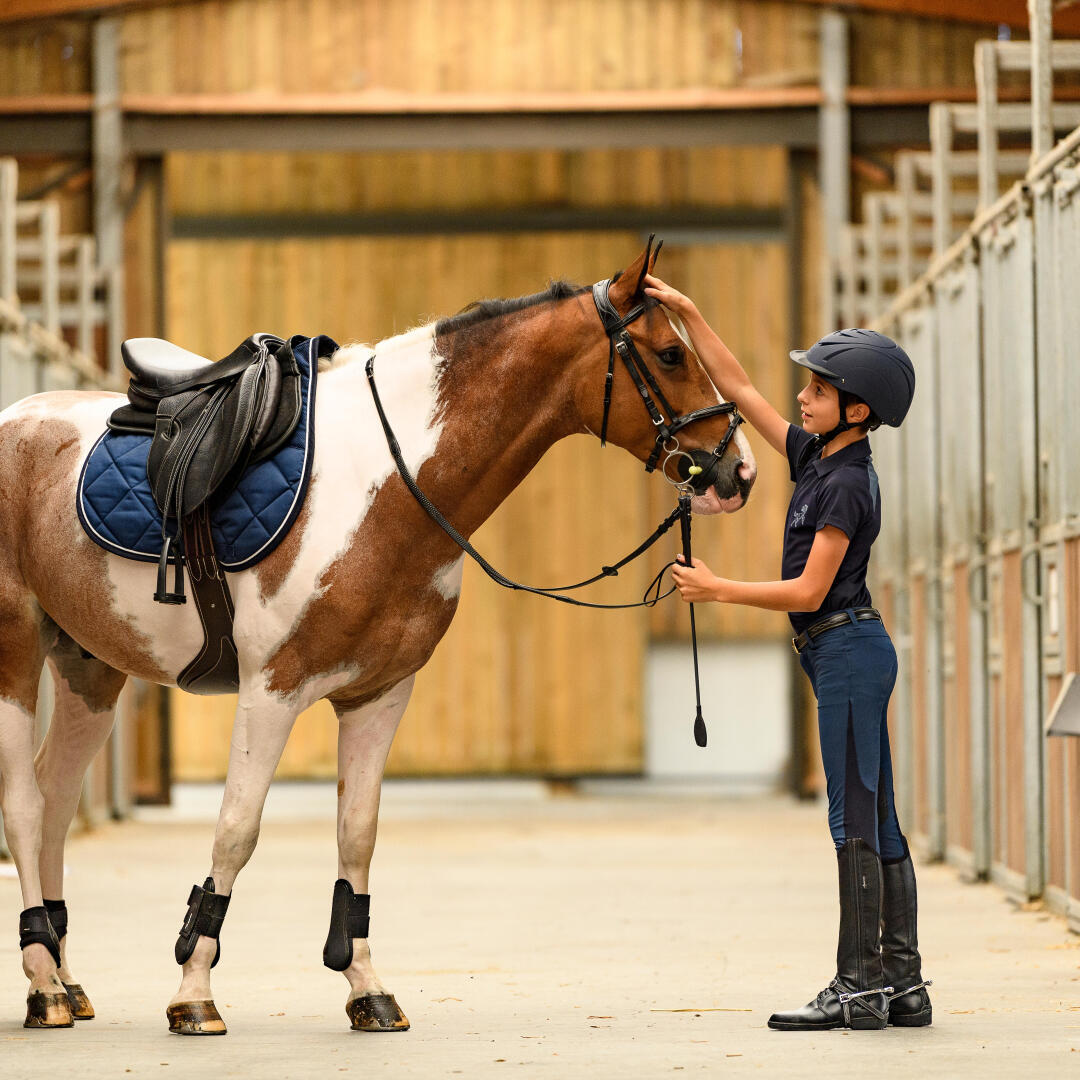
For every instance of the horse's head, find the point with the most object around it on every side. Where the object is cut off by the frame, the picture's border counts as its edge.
(663, 407)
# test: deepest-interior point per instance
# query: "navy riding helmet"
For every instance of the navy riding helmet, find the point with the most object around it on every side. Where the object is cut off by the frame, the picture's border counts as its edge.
(868, 365)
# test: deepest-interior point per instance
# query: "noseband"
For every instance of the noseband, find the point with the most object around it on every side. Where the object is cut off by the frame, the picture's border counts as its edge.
(619, 341)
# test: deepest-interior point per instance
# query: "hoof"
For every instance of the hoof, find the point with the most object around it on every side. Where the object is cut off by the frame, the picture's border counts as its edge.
(48, 1010)
(376, 1012)
(195, 1018)
(81, 1009)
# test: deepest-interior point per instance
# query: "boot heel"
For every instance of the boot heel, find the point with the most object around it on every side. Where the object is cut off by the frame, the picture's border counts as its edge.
(920, 1019)
(868, 1023)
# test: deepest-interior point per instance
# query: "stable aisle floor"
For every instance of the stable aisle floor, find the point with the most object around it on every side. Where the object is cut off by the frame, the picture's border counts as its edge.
(619, 933)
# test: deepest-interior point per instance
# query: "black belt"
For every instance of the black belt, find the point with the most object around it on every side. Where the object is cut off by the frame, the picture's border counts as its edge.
(831, 622)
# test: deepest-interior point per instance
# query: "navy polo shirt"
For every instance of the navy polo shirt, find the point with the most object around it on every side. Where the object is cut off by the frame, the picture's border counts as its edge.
(840, 490)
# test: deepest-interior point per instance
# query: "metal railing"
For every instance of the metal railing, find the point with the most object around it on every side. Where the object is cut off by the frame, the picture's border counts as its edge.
(980, 548)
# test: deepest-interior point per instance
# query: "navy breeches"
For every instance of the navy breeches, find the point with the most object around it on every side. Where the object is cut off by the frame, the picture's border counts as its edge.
(853, 671)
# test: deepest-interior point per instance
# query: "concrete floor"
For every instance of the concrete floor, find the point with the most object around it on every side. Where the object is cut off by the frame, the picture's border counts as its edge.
(619, 933)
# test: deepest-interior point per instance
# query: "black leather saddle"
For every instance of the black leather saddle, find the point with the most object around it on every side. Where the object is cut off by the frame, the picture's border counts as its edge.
(210, 421)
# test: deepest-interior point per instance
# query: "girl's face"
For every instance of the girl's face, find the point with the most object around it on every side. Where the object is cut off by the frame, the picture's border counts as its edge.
(820, 405)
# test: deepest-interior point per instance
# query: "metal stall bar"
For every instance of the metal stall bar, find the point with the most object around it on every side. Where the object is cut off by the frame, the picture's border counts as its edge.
(1006, 241)
(965, 745)
(1055, 187)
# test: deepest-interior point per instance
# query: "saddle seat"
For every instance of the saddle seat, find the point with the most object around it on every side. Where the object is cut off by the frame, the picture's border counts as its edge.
(158, 365)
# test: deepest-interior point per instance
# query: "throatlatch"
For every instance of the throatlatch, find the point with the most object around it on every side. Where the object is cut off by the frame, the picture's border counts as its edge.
(206, 913)
(349, 918)
(35, 929)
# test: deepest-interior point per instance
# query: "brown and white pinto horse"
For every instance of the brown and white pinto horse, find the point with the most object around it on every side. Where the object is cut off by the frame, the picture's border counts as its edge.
(348, 607)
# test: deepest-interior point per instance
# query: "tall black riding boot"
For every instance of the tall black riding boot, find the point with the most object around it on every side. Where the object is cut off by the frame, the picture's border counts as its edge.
(909, 1003)
(856, 998)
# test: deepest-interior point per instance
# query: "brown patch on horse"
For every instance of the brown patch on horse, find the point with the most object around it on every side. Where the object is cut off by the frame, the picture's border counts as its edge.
(39, 459)
(95, 683)
(271, 572)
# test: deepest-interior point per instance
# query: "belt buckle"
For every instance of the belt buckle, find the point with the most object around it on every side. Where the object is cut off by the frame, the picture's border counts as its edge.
(795, 645)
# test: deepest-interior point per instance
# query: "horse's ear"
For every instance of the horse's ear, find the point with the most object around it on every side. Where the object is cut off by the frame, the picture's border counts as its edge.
(627, 286)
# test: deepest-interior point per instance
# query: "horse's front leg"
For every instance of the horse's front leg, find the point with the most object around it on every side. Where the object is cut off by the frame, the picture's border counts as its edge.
(364, 738)
(260, 732)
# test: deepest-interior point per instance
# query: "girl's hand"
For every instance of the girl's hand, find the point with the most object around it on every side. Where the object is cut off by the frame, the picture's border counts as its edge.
(696, 582)
(669, 297)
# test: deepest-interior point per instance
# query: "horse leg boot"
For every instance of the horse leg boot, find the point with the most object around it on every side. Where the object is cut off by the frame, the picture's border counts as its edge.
(909, 1002)
(364, 738)
(260, 732)
(857, 997)
(86, 691)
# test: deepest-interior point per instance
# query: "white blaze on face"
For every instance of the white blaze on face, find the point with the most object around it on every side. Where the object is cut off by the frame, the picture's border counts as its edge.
(709, 502)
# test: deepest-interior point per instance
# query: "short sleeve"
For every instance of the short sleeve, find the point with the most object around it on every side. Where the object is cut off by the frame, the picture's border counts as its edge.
(844, 501)
(797, 442)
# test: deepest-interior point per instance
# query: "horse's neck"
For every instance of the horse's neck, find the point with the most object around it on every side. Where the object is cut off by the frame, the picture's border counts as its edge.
(484, 415)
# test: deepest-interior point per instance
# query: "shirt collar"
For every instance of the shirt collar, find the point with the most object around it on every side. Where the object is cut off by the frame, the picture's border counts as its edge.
(856, 451)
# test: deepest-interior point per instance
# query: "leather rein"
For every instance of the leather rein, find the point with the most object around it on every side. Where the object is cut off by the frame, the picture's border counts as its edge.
(620, 342)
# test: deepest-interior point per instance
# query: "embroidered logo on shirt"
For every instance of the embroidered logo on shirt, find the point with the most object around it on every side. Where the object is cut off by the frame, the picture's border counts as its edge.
(799, 517)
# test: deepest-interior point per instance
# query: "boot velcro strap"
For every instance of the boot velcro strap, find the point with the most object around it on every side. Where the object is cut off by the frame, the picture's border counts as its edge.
(206, 913)
(349, 918)
(35, 929)
(58, 916)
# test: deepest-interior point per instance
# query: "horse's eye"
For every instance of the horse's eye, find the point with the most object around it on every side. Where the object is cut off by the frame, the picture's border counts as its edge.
(671, 358)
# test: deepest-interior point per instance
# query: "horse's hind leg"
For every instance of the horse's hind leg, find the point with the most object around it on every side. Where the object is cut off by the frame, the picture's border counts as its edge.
(24, 640)
(86, 693)
(364, 738)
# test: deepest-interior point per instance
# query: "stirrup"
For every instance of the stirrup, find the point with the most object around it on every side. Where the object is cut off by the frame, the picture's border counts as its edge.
(162, 596)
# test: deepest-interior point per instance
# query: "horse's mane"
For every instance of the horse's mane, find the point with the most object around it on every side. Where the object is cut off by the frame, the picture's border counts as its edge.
(482, 310)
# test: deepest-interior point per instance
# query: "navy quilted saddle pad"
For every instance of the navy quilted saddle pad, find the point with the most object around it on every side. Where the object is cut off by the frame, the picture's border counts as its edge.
(117, 508)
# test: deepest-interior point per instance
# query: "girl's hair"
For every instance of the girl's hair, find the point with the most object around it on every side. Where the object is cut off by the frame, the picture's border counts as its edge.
(871, 423)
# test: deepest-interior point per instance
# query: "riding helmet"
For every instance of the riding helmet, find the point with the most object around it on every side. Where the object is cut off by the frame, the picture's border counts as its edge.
(868, 365)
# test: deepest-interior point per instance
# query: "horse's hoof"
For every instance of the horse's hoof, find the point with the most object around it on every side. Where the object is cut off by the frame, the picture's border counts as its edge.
(376, 1012)
(195, 1018)
(81, 1009)
(48, 1010)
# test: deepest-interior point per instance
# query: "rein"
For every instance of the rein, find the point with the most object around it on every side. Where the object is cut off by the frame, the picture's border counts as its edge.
(620, 341)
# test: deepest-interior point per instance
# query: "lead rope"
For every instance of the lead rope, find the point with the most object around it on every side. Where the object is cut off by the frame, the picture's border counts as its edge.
(701, 736)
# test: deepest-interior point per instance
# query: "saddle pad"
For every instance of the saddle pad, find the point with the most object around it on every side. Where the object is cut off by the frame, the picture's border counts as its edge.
(117, 508)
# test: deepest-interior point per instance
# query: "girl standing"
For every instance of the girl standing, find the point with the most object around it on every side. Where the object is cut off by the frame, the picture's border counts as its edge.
(858, 380)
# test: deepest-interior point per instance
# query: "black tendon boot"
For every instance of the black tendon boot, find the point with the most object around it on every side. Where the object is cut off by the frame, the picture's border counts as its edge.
(857, 997)
(909, 1003)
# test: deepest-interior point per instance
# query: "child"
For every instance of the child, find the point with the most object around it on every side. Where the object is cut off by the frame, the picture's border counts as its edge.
(858, 380)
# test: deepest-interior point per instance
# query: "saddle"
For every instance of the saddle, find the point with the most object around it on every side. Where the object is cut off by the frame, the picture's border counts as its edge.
(209, 422)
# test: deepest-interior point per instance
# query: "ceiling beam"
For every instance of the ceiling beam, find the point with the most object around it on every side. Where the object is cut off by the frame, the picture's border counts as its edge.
(20, 10)
(1012, 13)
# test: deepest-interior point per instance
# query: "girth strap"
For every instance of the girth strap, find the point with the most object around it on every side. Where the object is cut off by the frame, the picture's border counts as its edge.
(206, 913)
(35, 929)
(349, 918)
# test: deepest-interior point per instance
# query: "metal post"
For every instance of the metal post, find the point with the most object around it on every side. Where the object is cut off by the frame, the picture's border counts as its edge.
(834, 135)
(941, 136)
(986, 82)
(9, 187)
(86, 272)
(1041, 23)
(108, 165)
(50, 266)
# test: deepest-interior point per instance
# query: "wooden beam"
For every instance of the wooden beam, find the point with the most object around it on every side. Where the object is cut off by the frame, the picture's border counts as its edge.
(21, 10)
(1012, 13)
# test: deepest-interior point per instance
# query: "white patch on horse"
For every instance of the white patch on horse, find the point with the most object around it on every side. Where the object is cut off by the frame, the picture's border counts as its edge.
(345, 482)
(447, 580)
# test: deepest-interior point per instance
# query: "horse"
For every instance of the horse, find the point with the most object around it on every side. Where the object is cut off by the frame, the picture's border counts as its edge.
(348, 607)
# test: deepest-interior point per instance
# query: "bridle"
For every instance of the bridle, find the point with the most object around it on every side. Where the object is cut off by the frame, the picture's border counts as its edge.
(620, 341)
